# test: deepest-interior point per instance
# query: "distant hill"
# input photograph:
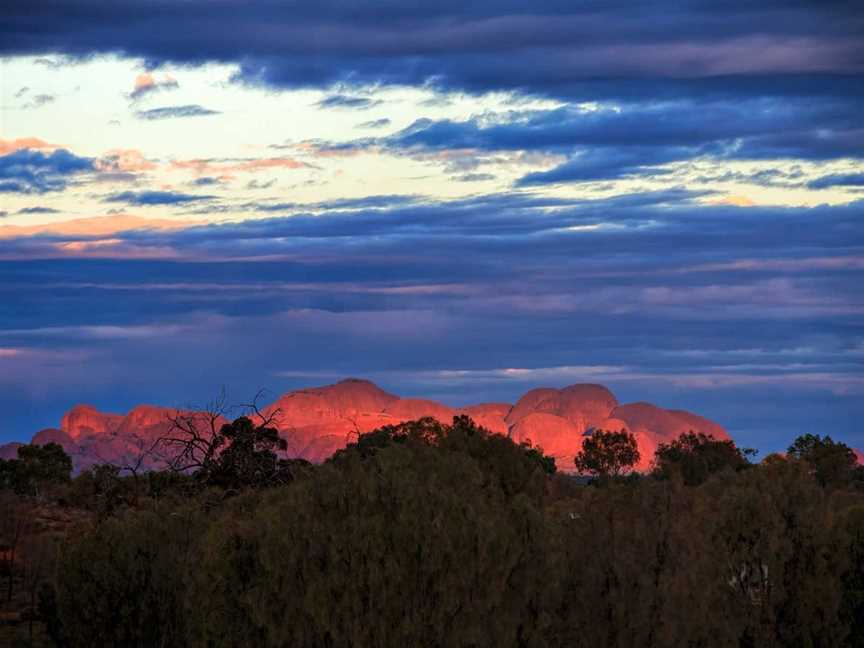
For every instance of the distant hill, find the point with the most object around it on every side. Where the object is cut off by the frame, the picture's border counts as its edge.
(318, 421)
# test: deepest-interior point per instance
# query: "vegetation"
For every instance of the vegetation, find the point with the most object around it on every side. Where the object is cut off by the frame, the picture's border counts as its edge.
(608, 454)
(36, 467)
(425, 534)
(695, 457)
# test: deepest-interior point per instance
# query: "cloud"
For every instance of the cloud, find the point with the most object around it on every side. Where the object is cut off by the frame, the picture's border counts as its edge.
(123, 161)
(615, 141)
(375, 123)
(175, 112)
(256, 184)
(39, 100)
(148, 198)
(10, 146)
(32, 171)
(147, 84)
(347, 101)
(552, 48)
(476, 177)
(225, 168)
(838, 180)
(609, 164)
(655, 293)
(206, 181)
(38, 210)
(97, 226)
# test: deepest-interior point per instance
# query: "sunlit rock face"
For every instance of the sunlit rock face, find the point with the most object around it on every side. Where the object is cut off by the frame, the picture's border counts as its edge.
(411, 409)
(492, 416)
(859, 455)
(318, 421)
(84, 420)
(559, 437)
(654, 425)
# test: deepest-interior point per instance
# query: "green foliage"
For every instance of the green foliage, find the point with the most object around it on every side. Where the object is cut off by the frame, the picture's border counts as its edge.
(425, 534)
(248, 458)
(608, 453)
(831, 462)
(35, 468)
(695, 457)
(850, 533)
(513, 468)
(121, 583)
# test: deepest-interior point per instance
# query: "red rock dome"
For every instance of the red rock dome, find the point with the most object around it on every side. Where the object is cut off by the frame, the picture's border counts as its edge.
(584, 405)
(558, 437)
(318, 421)
(84, 420)
(410, 409)
(489, 415)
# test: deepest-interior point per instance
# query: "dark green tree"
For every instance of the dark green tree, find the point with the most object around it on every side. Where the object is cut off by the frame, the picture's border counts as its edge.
(696, 456)
(608, 453)
(248, 457)
(37, 466)
(831, 462)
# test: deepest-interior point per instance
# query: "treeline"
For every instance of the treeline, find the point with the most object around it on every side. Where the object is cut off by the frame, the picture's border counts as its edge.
(425, 534)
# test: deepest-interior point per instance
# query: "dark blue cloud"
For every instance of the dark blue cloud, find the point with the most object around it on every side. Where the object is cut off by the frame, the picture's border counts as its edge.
(609, 164)
(748, 315)
(206, 181)
(347, 101)
(31, 171)
(838, 180)
(38, 210)
(375, 123)
(366, 202)
(144, 198)
(633, 139)
(548, 47)
(475, 177)
(175, 112)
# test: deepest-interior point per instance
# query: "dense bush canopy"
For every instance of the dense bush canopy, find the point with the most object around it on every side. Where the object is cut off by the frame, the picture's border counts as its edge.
(424, 534)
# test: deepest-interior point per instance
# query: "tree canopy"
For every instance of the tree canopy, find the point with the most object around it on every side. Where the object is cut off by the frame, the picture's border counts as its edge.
(695, 457)
(35, 467)
(831, 462)
(608, 453)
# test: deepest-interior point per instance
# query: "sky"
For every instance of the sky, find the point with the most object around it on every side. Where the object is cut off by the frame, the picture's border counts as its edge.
(457, 200)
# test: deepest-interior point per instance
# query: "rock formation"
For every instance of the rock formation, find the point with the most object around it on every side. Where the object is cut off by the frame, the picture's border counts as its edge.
(317, 422)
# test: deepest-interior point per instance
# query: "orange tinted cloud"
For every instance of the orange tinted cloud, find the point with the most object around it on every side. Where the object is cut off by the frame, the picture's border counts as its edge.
(10, 146)
(735, 200)
(95, 226)
(205, 167)
(146, 83)
(113, 248)
(143, 81)
(123, 161)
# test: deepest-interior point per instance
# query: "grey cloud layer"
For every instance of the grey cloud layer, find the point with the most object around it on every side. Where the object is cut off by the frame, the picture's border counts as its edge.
(654, 293)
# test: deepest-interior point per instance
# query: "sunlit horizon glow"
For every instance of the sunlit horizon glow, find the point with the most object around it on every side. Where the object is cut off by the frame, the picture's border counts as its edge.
(459, 202)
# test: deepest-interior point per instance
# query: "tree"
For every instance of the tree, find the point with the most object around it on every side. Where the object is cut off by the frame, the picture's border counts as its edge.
(696, 456)
(608, 453)
(249, 457)
(831, 462)
(35, 467)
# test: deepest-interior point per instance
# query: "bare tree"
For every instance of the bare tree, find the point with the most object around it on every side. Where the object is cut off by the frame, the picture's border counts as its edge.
(193, 439)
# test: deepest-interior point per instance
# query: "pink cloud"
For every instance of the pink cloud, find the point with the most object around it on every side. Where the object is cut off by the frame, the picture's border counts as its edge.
(146, 83)
(10, 146)
(98, 226)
